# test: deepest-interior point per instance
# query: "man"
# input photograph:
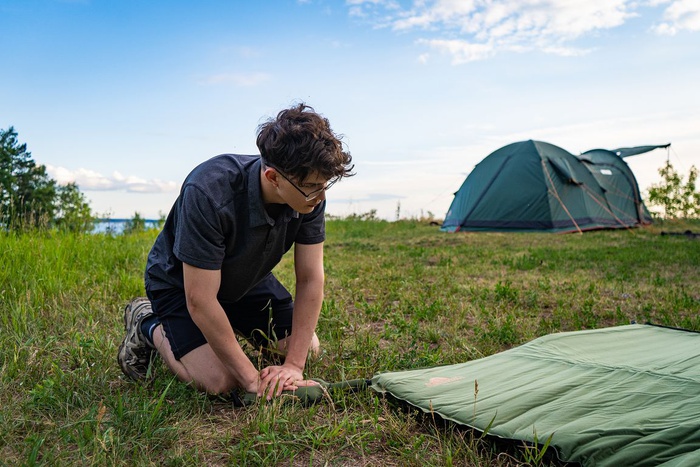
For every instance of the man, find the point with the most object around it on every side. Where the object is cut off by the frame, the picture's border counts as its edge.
(208, 276)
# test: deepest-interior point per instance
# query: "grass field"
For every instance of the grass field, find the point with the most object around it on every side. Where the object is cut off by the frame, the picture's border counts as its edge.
(399, 295)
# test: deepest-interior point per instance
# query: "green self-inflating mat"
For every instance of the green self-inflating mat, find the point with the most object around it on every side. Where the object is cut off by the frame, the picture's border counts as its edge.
(619, 396)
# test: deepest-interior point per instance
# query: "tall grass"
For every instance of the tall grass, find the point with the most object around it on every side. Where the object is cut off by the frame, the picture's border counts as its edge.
(399, 295)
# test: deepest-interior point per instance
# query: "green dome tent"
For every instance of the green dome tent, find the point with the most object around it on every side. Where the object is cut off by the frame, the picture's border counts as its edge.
(537, 186)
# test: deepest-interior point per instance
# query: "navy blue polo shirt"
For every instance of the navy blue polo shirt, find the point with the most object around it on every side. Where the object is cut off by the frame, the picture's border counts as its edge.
(219, 221)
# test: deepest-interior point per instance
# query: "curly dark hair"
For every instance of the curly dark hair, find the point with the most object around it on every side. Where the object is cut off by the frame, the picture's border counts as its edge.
(300, 142)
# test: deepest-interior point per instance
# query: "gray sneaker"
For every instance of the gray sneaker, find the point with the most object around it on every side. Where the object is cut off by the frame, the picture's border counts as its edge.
(135, 352)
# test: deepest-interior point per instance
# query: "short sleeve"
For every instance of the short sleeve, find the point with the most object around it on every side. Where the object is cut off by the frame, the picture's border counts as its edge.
(199, 237)
(313, 226)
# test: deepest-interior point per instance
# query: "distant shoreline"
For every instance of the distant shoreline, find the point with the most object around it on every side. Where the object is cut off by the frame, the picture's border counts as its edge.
(112, 225)
(111, 220)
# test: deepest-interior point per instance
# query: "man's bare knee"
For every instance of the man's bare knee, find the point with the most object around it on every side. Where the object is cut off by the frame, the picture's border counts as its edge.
(216, 386)
(314, 346)
(201, 369)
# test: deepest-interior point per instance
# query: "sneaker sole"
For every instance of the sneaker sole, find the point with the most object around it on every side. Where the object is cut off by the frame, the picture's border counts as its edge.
(121, 357)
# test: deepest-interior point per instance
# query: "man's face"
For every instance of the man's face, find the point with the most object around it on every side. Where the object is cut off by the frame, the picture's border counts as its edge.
(304, 197)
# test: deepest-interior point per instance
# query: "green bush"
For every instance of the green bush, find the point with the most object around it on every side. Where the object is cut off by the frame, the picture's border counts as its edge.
(677, 198)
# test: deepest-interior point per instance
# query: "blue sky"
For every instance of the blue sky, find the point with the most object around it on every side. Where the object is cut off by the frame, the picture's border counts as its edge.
(126, 97)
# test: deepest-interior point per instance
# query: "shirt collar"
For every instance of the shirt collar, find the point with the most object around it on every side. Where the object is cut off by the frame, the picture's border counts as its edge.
(258, 214)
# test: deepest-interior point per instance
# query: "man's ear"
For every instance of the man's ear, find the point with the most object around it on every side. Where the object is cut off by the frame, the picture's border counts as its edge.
(271, 175)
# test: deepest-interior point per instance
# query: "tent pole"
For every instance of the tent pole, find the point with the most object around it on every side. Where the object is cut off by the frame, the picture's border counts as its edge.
(609, 211)
(556, 195)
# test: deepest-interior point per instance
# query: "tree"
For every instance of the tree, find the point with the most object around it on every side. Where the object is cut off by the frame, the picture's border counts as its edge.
(678, 199)
(73, 212)
(26, 191)
(135, 224)
(29, 198)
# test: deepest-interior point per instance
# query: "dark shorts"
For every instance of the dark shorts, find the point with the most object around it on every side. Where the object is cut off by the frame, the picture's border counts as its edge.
(264, 314)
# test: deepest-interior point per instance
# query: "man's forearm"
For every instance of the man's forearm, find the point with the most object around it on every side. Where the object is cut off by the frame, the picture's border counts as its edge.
(307, 308)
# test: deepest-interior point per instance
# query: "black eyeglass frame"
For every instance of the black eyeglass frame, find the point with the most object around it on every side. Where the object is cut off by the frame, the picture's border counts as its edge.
(307, 196)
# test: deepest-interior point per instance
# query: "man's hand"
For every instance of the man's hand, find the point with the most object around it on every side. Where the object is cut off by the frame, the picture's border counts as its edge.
(275, 379)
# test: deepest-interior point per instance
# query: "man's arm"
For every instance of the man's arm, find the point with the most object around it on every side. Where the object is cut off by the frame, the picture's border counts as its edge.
(201, 288)
(308, 267)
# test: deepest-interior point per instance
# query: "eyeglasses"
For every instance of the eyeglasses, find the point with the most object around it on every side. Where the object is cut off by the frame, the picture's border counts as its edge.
(307, 196)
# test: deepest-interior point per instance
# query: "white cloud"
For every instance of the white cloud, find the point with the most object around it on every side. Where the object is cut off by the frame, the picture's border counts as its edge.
(364, 3)
(237, 79)
(470, 30)
(557, 19)
(565, 51)
(366, 8)
(460, 51)
(89, 180)
(678, 16)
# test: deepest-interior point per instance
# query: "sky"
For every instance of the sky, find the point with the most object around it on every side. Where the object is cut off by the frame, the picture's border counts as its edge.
(126, 97)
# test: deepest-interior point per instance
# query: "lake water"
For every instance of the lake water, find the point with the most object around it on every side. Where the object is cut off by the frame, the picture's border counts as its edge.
(116, 226)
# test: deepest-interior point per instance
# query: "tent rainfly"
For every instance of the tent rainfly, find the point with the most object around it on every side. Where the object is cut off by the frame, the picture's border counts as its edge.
(537, 186)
